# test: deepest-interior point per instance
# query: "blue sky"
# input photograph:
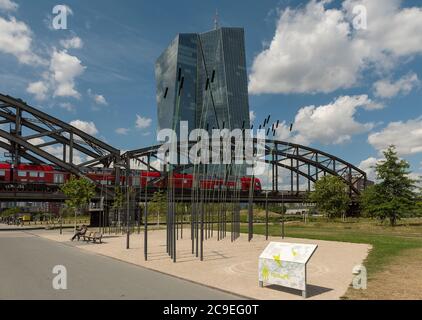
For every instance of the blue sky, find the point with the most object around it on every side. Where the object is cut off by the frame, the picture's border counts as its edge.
(308, 65)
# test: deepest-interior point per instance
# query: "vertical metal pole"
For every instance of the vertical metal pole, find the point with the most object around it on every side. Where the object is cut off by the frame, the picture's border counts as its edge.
(317, 170)
(64, 153)
(309, 180)
(18, 132)
(297, 174)
(282, 222)
(128, 203)
(174, 221)
(266, 216)
(291, 177)
(71, 148)
(272, 171)
(146, 211)
(276, 168)
(202, 227)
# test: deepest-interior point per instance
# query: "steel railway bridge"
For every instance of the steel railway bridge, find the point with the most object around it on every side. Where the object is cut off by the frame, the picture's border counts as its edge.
(31, 134)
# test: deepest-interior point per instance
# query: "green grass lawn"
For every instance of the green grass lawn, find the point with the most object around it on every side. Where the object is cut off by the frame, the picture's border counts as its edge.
(387, 242)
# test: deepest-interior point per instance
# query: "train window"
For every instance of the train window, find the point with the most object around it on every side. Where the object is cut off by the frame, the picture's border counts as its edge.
(22, 173)
(58, 178)
(33, 174)
(2, 173)
(41, 174)
(136, 181)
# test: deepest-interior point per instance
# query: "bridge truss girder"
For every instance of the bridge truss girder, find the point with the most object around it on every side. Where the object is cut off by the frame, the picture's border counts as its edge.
(41, 138)
(309, 163)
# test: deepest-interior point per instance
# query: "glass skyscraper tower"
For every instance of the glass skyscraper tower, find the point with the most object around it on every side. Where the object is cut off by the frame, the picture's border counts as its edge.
(202, 79)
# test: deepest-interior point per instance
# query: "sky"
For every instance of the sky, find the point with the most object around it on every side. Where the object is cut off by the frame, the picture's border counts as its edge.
(350, 85)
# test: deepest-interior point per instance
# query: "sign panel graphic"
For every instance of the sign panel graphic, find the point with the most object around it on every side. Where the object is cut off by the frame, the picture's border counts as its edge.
(284, 264)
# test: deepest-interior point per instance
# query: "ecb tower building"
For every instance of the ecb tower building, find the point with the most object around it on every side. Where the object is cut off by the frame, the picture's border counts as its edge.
(202, 79)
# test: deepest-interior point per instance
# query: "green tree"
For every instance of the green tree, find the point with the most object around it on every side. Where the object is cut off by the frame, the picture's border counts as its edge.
(79, 192)
(394, 196)
(330, 196)
(119, 200)
(11, 212)
(158, 203)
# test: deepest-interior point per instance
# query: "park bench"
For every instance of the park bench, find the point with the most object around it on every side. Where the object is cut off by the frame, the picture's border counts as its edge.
(93, 236)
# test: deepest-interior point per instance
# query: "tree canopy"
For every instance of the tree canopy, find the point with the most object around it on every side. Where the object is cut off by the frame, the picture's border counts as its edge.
(158, 202)
(79, 192)
(331, 196)
(394, 196)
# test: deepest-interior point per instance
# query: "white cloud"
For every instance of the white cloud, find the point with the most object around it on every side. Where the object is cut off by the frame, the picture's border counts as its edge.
(122, 131)
(8, 5)
(333, 123)
(72, 43)
(417, 177)
(60, 77)
(143, 123)
(368, 166)
(67, 106)
(316, 49)
(97, 98)
(388, 89)
(252, 116)
(85, 126)
(64, 69)
(57, 151)
(406, 136)
(39, 89)
(16, 39)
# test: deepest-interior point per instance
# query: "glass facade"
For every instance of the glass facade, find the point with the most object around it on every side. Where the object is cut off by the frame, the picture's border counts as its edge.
(222, 82)
(202, 79)
(176, 74)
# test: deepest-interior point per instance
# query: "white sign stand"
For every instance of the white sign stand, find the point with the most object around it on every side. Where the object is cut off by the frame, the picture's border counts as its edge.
(285, 264)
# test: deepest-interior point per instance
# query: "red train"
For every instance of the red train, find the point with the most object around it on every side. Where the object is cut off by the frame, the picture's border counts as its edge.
(50, 177)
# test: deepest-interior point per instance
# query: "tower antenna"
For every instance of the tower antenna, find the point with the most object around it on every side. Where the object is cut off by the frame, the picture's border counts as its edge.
(216, 20)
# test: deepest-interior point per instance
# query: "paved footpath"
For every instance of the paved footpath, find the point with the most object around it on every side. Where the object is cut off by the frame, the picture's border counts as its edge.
(27, 261)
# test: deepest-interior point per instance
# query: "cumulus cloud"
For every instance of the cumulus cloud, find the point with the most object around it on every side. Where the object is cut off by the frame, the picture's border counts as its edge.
(97, 98)
(72, 43)
(8, 5)
(122, 131)
(39, 89)
(406, 136)
(60, 77)
(85, 126)
(143, 123)
(388, 89)
(316, 49)
(368, 166)
(64, 69)
(333, 123)
(16, 39)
